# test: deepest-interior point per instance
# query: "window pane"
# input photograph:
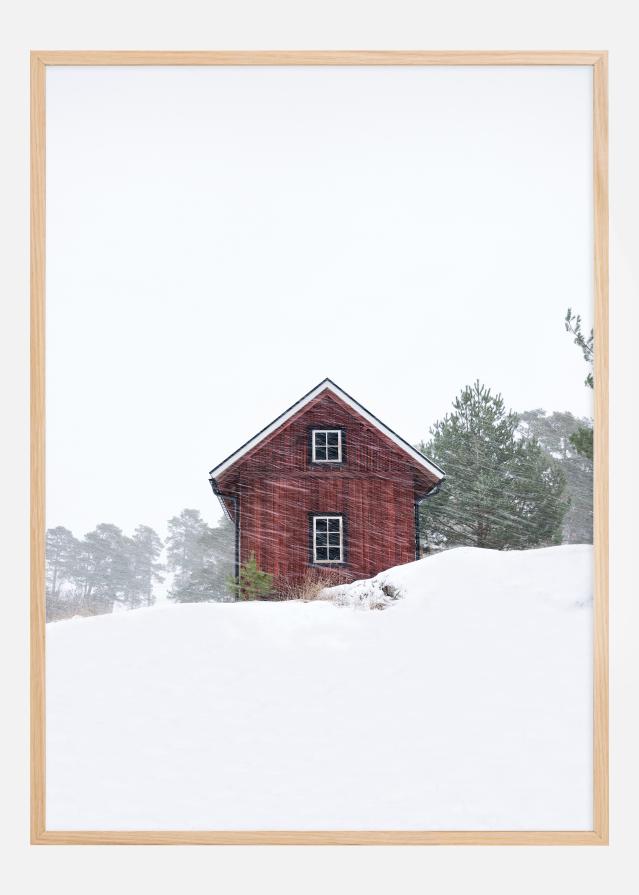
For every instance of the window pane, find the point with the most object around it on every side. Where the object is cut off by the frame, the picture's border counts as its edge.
(333, 453)
(327, 543)
(320, 452)
(332, 438)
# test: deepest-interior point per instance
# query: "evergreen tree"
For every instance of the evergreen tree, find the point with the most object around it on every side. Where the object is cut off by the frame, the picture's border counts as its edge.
(582, 441)
(200, 558)
(555, 433)
(62, 552)
(572, 322)
(104, 569)
(252, 583)
(582, 438)
(61, 559)
(145, 550)
(502, 491)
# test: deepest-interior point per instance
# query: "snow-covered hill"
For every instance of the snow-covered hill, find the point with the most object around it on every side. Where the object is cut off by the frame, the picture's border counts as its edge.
(465, 705)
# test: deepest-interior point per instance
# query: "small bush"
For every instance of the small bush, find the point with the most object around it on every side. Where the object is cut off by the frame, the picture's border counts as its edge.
(252, 583)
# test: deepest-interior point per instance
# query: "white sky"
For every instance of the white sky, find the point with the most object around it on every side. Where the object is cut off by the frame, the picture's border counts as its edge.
(221, 239)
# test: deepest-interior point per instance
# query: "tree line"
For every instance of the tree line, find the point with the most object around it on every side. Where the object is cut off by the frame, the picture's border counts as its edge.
(106, 569)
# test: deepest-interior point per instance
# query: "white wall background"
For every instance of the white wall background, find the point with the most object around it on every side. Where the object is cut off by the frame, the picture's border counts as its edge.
(496, 24)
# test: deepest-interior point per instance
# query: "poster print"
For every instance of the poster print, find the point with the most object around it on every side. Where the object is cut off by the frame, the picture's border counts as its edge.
(319, 496)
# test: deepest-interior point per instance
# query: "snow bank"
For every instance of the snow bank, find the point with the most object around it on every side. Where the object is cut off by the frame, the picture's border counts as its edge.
(466, 569)
(467, 705)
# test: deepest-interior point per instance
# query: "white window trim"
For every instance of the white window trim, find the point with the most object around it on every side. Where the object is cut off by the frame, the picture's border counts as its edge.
(339, 444)
(324, 562)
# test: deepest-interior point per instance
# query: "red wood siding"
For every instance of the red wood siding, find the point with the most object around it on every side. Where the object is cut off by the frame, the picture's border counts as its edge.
(278, 488)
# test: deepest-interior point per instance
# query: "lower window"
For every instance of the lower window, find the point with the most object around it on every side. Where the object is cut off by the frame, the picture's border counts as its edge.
(328, 539)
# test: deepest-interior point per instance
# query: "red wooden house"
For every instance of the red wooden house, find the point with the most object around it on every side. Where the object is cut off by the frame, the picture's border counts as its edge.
(326, 485)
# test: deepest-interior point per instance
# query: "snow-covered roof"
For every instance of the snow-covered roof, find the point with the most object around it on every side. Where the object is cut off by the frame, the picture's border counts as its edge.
(327, 385)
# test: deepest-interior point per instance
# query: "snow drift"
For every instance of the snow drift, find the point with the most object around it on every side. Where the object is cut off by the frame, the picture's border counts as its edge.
(466, 705)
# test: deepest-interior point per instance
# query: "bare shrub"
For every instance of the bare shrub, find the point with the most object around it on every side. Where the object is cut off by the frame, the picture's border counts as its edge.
(312, 585)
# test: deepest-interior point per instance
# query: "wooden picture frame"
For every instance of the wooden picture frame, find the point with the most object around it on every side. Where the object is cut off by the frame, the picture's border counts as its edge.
(597, 62)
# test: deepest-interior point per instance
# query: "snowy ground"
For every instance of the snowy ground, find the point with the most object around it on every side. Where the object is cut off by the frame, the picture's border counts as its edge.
(465, 705)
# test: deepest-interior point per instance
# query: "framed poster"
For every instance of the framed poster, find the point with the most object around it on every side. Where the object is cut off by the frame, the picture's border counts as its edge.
(321, 556)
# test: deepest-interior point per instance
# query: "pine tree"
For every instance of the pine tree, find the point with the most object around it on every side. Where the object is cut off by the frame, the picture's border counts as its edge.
(572, 322)
(555, 433)
(200, 558)
(582, 439)
(252, 583)
(502, 491)
(145, 550)
(104, 569)
(61, 558)
(62, 552)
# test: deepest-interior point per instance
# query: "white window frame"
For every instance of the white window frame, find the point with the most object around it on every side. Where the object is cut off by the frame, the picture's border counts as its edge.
(328, 544)
(327, 432)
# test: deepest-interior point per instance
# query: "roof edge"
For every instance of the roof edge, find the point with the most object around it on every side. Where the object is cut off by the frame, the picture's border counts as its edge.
(324, 385)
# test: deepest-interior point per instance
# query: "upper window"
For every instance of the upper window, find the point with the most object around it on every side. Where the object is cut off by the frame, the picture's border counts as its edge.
(327, 445)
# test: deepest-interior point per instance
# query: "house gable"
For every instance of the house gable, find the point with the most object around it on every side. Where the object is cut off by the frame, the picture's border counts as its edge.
(327, 406)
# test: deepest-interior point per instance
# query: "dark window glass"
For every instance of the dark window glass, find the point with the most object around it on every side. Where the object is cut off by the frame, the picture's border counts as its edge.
(327, 539)
(327, 446)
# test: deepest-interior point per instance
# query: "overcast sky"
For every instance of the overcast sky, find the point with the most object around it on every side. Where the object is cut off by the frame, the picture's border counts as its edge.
(221, 239)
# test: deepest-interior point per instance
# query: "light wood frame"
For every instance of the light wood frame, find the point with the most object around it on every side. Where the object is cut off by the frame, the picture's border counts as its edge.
(598, 61)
